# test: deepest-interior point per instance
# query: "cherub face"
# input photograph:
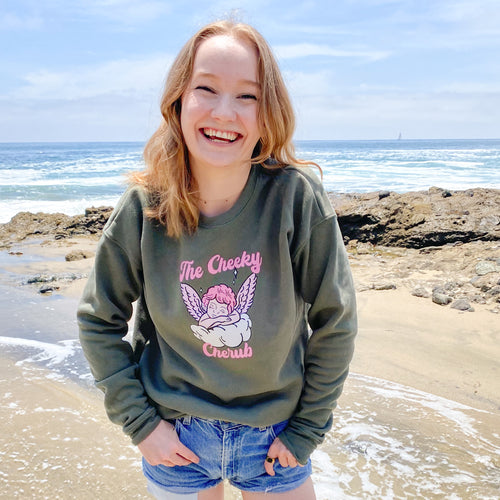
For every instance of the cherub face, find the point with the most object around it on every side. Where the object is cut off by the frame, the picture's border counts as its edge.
(216, 309)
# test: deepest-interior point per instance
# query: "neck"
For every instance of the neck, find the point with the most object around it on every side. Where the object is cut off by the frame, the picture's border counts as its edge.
(218, 191)
(213, 207)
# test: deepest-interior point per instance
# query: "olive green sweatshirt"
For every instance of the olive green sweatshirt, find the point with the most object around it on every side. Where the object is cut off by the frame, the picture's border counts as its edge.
(251, 319)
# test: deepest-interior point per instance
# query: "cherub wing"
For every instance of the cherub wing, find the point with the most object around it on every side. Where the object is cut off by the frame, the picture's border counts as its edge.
(193, 302)
(244, 299)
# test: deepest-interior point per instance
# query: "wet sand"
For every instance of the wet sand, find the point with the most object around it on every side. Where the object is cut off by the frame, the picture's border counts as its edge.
(57, 443)
(434, 349)
(419, 416)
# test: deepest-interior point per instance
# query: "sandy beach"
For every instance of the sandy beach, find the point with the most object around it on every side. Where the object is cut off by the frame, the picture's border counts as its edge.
(423, 374)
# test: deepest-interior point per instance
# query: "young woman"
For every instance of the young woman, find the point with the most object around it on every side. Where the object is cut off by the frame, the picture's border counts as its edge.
(246, 315)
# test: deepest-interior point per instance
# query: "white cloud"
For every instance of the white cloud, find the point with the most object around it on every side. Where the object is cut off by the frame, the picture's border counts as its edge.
(131, 77)
(484, 88)
(297, 50)
(437, 76)
(11, 21)
(323, 112)
(240, 8)
(127, 12)
(419, 116)
(450, 24)
(116, 100)
(468, 12)
(326, 111)
(312, 85)
(105, 118)
(28, 14)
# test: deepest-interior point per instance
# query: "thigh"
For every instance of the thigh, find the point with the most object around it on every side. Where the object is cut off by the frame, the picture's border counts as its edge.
(304, 492)
(215, 493)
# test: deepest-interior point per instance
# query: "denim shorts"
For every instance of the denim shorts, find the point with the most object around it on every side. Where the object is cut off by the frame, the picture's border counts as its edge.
(229, 451)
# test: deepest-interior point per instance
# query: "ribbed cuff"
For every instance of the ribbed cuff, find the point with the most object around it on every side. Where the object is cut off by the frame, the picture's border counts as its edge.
(300, 446)
(145, 429)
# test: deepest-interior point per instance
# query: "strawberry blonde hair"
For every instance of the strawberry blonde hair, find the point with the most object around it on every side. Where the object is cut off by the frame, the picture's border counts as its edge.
(167, 176)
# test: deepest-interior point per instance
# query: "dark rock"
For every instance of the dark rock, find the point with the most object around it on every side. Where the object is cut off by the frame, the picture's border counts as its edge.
(421, 292)
(477, 299)
(420, 219)
(441, 298)
(58, 226)
(384, 286)
(92, 222)
(40, 278)
(450, 286)
(50, 278)
(462, 305)
(484, 283)
(78, 255)
(416, 220)
(48, 289)
(411, 220)
(486, 267)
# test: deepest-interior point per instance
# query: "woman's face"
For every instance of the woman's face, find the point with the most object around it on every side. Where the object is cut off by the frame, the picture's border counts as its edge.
(220, 105)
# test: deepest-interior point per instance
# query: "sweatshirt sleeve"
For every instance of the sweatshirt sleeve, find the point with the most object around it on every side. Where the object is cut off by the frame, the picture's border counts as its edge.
(324, 280)
(103, 314)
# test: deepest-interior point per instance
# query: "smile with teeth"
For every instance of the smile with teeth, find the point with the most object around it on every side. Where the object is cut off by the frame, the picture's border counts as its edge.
(219, 135)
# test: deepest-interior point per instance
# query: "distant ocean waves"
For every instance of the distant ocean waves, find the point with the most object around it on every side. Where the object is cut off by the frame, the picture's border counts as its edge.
(364, 166)
(68, 177)
(63, 177)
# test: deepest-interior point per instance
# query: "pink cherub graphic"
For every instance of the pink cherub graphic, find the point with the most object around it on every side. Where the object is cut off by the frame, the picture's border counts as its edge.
(221, 316)
(219, 301)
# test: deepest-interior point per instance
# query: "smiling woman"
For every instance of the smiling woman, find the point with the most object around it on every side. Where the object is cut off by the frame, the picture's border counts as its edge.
(219, 120)
(246, 312)
(258, 88)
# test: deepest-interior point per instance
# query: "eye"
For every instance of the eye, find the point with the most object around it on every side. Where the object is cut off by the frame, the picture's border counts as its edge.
(248, 96)
(205, 89)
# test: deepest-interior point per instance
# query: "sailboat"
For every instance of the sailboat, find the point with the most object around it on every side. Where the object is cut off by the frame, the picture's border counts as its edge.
(400, 136)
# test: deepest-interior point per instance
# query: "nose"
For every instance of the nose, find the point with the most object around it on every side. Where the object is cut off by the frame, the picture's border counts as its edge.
(224, 108)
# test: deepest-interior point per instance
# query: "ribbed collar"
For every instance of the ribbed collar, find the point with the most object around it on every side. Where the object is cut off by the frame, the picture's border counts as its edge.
(238, 206)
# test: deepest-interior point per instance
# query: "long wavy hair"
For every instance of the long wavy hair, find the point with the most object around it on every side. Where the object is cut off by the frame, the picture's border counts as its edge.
(167, 176)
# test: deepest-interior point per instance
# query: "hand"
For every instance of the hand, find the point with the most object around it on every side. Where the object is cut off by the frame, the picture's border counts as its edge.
(163, 447)
(279, 451)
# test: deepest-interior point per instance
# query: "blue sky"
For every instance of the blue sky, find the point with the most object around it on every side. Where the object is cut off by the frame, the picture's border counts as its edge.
(86, 70)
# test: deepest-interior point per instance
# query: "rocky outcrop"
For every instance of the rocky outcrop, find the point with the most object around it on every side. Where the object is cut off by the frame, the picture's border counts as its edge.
(410, 220)
(419, 219)
(53, 226)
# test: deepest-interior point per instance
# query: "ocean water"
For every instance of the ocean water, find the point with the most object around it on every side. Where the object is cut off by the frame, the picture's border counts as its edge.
(388, 441)
(69, 177)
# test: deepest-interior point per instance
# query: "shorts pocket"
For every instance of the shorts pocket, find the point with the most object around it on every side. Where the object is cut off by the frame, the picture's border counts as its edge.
(181, 423)
(177, 424)
(276, 429)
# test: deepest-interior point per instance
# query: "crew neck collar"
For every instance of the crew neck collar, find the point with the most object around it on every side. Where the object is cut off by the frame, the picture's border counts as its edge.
(238, 206)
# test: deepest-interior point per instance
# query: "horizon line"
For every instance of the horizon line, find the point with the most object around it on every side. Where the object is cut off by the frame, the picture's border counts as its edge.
(75, 141)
